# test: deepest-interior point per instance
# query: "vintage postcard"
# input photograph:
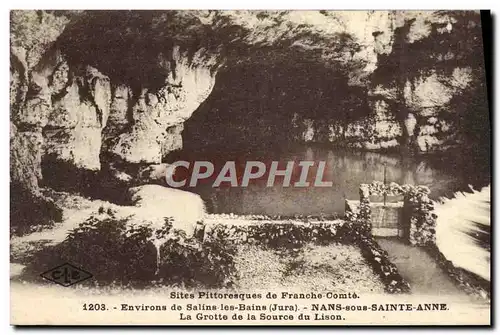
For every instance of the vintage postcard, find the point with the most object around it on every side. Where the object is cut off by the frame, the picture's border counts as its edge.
(211, 167)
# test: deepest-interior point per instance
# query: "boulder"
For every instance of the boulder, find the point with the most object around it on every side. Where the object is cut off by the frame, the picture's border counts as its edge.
(153, 173)
(154, 203)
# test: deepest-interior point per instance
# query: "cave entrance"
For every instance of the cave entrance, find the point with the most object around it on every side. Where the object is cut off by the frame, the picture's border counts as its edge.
(256, 107)
(286, 114)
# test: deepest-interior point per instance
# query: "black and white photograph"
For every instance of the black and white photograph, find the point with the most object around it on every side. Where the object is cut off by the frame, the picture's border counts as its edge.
(250, 167)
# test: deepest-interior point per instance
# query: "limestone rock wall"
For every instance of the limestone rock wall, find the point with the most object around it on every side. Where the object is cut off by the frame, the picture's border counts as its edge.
(70, 112)
(77, 115)
(32, 34)
(73, 114)
(428, 125)
(377, 131)
(75, 109)
(154, 118)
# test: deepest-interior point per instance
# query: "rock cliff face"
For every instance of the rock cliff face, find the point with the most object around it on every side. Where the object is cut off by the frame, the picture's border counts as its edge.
(29, 93)
(71, 113)
(97, 91)
(60, 118)
(153, 120)
(378, 131)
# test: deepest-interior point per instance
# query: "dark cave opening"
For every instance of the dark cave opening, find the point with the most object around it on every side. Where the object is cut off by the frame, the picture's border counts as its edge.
(258, 106)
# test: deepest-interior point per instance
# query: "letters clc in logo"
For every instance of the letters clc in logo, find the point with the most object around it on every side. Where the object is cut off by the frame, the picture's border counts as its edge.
(66, 275)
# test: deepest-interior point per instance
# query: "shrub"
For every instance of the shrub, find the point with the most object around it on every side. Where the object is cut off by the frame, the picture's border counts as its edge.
(118, 250)
(29, 212)
(112, 249)
(289, 235)
(209, 263)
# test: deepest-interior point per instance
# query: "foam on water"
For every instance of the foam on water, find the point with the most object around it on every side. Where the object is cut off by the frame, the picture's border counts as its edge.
(463, 230)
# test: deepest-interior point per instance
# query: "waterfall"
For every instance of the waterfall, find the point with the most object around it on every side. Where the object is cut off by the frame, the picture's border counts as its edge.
(158, 243)
(463, 230)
